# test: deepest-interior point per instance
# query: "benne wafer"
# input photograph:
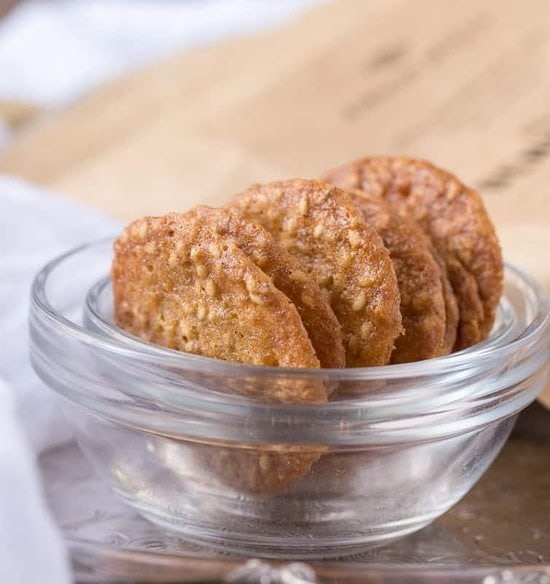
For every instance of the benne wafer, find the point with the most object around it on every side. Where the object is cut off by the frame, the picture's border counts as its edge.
(419, 278)
(179, 284)
(320, 225)
(454, 217)
(317, 316)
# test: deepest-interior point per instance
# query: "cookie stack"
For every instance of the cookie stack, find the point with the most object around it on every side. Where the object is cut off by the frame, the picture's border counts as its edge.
(386, 260)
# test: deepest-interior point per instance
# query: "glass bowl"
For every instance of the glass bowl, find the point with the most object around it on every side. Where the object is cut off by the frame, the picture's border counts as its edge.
(187, 442)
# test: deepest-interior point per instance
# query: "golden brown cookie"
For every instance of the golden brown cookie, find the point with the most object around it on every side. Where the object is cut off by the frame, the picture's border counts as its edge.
(419, 278)
(317, 316)
(454, 217)
(451, 305)
(179, 284)
(320, 225)
(269, 470)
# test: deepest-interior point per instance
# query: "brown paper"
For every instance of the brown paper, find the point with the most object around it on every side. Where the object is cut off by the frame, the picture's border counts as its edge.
(464, 84)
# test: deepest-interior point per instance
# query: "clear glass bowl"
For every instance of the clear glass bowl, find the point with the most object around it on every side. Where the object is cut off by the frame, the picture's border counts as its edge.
(185, 441)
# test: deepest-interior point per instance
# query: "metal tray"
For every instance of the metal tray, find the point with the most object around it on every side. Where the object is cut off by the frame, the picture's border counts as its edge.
(499, 533)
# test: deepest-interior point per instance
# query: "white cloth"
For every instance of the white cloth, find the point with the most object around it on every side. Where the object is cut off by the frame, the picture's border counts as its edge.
(31, 550)
(51, 52)
(34, 228)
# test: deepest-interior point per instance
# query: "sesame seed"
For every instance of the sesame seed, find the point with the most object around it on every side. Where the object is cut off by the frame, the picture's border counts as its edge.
(318, 230)
(150, 247)
(360, 302)
(142, 230)
(354, 238)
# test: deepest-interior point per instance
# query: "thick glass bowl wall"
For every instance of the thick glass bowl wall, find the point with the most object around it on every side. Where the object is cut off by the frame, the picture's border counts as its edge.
(395, 447)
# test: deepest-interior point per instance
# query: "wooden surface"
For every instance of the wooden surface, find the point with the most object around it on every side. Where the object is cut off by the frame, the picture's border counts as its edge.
(466, 85)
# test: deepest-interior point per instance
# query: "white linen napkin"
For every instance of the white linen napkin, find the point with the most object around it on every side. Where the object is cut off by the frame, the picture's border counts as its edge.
(52, 51)
(31, 549)
(34, 228)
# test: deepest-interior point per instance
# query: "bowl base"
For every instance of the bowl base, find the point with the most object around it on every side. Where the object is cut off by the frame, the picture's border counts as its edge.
(293, 548)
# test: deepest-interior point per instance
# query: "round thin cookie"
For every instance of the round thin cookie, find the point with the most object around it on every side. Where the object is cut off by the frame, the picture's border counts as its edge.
(320, 225)
(179, 284)
(451, 306)
(258, 244)
(419, 279)
(454, 217)
(269, 470)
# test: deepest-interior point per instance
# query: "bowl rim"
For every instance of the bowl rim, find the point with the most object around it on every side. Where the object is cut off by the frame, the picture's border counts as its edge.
(131, 346)
(419, 401)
